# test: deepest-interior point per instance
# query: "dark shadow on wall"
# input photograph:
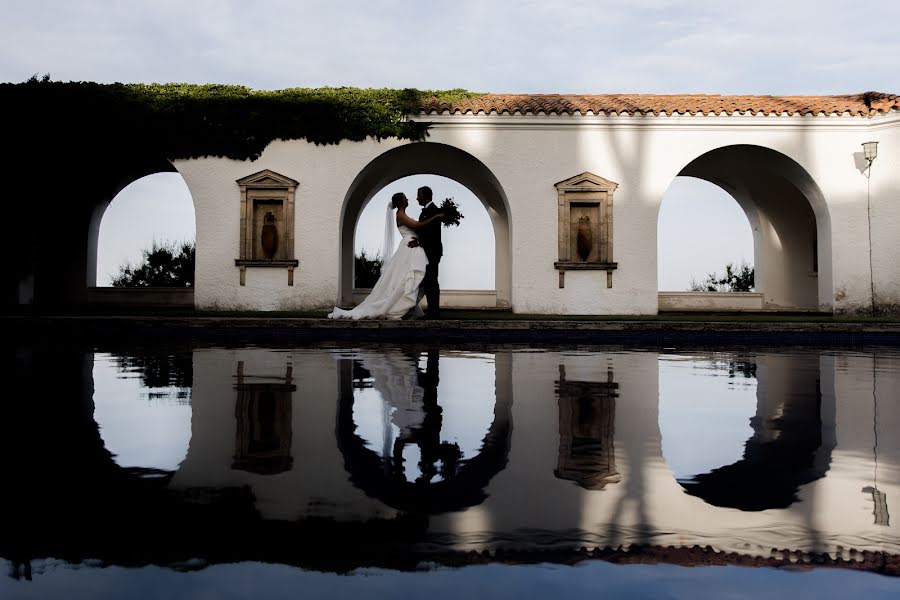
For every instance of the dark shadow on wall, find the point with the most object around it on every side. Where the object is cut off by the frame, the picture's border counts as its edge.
(58, 224)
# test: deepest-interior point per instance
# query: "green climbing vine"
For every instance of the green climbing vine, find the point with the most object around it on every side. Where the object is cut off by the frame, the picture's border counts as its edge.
(179, 120)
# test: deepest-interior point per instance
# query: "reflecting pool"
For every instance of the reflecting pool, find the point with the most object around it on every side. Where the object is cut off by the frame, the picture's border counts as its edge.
(503, 470)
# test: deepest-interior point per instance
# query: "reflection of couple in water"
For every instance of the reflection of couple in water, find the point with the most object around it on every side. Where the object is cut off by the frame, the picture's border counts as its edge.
(411, 395)
(442, 478)
(426, 434)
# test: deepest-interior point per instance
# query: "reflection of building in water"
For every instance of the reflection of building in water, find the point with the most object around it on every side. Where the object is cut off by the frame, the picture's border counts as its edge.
(787, 449)
(508, 496)
(518, 490)
(263, 413)
(587, 414)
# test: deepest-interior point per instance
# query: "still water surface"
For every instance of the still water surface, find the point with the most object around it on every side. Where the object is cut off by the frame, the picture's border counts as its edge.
(488, 471)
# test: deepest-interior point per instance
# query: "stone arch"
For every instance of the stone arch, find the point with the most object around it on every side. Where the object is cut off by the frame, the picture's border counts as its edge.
(101, 203)
(60, 257)
(789, 218)
(431, 159)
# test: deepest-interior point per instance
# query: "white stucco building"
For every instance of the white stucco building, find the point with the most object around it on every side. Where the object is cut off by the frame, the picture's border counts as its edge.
(825, 235)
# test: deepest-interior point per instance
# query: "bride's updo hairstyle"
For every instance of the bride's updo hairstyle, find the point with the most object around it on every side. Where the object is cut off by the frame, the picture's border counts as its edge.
(396, 199)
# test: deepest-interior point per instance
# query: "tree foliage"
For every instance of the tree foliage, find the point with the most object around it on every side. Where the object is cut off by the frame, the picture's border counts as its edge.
(166, 264)
(179, 120)
(735, 279)
(366, 269)
(160, 370)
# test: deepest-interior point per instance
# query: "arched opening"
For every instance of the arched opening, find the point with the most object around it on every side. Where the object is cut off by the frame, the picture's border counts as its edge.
(149, 206)
(155, 208)
(790, 226)
(60, 255)
(430, 159)
(684, 262)
(470, 244)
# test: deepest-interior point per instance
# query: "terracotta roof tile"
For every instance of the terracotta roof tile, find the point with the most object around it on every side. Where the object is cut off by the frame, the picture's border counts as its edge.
(865, 104)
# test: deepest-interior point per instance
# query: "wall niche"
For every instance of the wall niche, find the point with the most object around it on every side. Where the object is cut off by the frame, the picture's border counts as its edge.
(267, 223)
(585, 205)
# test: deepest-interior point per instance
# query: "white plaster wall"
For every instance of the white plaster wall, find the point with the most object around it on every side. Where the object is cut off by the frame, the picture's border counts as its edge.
(528, 155)
(885, 198)
(324, 173)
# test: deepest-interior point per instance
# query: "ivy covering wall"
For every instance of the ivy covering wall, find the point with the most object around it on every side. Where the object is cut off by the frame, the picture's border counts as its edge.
(187, 121)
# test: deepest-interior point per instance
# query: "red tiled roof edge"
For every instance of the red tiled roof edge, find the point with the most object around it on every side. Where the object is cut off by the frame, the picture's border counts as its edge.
(865, 104)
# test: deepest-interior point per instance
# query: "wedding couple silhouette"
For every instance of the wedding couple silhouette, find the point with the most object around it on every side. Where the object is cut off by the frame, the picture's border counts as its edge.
(412, 271)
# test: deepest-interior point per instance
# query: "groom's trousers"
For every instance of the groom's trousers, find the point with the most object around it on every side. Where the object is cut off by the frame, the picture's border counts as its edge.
(431, 288)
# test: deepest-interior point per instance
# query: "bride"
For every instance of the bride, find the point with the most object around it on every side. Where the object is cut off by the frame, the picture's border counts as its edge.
(396, 293)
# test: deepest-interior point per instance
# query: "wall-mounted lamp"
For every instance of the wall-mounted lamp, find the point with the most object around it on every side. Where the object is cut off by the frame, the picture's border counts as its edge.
(870, 152)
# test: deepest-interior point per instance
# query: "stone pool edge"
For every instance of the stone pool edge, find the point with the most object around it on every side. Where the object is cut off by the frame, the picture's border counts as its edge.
(463, 330)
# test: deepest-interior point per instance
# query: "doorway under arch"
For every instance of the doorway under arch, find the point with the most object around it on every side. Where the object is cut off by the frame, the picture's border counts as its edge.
(789, 220)
(427, 158)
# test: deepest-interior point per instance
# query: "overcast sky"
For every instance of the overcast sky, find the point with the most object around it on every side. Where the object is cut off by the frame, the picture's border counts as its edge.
(763, 47)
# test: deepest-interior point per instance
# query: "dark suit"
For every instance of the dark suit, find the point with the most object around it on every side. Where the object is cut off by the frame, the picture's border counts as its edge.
(430, 240)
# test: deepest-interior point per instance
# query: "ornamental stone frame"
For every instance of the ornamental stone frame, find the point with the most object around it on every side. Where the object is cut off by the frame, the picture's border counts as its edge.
(585, 205)
(267, 223)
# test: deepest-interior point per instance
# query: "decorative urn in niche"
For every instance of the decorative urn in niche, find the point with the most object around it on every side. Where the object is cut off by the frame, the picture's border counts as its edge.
(585, 240)
(269, 236)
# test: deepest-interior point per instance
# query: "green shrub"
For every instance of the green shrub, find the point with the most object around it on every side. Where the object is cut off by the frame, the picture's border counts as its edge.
(166, 264)
(366, 270)
(740, 279)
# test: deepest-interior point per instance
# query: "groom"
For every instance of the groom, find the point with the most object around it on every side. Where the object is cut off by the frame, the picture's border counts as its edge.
(429, 237)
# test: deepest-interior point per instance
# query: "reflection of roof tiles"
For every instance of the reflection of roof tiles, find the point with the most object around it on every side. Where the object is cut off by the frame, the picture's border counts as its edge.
(865, 104)
(693, 556)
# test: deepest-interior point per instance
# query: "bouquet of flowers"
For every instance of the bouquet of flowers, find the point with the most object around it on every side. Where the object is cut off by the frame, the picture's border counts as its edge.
(451, 212)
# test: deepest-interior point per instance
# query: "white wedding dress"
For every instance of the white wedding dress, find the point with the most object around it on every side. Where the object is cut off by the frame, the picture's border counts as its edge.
(396, 293)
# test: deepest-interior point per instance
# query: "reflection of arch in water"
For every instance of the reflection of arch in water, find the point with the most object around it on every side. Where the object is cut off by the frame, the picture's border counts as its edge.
(151, 386)
(793, 436)
(380, 479)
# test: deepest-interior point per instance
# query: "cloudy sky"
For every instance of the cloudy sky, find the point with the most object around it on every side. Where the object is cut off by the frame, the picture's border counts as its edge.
(760, 47)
